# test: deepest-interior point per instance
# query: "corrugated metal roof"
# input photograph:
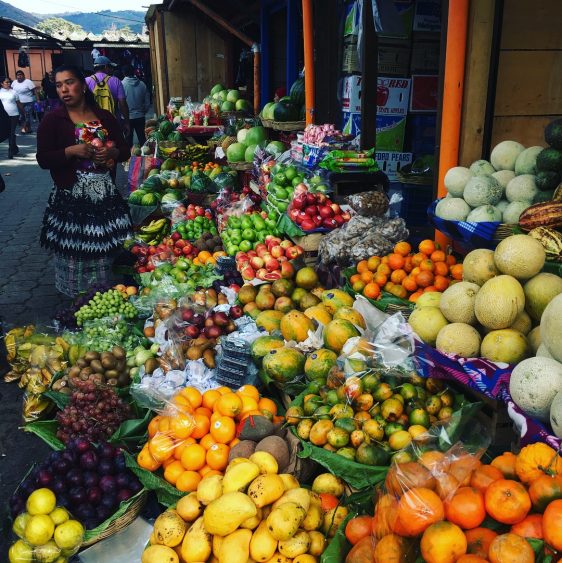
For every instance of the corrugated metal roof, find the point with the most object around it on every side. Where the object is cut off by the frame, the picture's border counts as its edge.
(107, 37)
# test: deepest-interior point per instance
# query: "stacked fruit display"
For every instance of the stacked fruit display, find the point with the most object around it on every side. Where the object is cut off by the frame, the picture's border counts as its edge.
(252, 513)
(405, 274)
(281, 181)
(192, 439)
(107, 304)
(492, 312)
(245, 232)
(184, 212)
(268, 261)
(463, 510)
(90, 480)
(46, 531)
(246, 143)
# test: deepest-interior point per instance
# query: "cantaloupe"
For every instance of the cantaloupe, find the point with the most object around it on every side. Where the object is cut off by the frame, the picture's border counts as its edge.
(522, 323)
(520, 256)
(479, 266)
(503, 177)
(551, 327)
(504, 155)
(505, 346)
(502, 205)
(429, 299)
(540, 290)
(457, 303)
(556, 414)
(455, 180)
(543, 352)
(482, 168)
(534, 339)
(484, 213)
(521, 188)
(533, 385)
(452, 209)
(460, 339)
(427, 322)
(513, 211)
(498, 302)
(482, 190)
(526, 162)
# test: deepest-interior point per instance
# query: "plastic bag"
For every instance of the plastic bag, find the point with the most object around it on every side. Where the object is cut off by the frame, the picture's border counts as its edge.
(369, 204)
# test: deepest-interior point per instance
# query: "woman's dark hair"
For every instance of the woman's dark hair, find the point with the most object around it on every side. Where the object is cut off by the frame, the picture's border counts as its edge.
(4, 78)
(79, 75)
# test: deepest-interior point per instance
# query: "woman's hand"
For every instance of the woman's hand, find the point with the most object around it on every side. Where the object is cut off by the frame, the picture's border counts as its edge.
(82, 150)
(104, 154)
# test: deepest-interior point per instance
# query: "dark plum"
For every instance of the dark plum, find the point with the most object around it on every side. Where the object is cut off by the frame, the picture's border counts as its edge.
(69, 456)
(58, 486)
(109, 501)
(85, 511)
(91, 523)
(54, 457)
(95, 495)
(103, 512)
(77, 495)
(122, 480)
(106, 467)
(89, 460)
(44, 478)
(120, 463)
(60, 466)
(74, 477)
(124, 494)
(107, 484)
(90, 479)
(106, 451)
(135, 485)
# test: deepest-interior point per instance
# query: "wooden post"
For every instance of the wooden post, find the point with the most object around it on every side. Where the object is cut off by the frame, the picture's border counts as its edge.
(257, 70)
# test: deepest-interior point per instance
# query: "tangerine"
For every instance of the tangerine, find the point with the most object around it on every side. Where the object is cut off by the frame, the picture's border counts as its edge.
(267, 405)
(415, 296)
(510, 547)
(362, 266)
(466, 508)
(544, 489)
(529, 527)
(173, 471)
(506, 464)
(204, 411)
(358, 286)
(427, 246)
(398, 276)
(456, 271)
(418, 509)
(373, 263)
(249, 390)
(396, 261)
(209, 398)
(483, 476)
(146, 461)
(161, 447)
(223, 430)
(372, 291)
(403, 248)
(193, 457)
(180, 446)
(207, 441)
(153, 426)
(354, 278)
(507, 501)
(424, 279)
(427, 266)
(479, 540)
(443, 542)
(230, 404)
(217, 456)
(380, 279)
(187, 482)
(182, 425)
(418, 258)
(441, 283)
(384, 269)
(202, 424)
(409, 284)
(451, 260)
(438, 256)
(441, 269)
(552, 524)
(193, 395)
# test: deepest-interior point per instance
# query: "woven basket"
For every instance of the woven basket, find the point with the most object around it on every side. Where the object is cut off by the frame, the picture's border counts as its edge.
(504, 230)
(288, 125)
(267, 122)
(120, 523)
(414, 180)
(240, 166)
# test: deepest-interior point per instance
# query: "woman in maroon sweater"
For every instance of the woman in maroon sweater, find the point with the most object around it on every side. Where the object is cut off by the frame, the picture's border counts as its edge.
(86, 219)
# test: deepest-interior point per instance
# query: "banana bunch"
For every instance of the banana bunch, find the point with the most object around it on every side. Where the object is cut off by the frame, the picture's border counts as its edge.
(154, 232)
(196, 152)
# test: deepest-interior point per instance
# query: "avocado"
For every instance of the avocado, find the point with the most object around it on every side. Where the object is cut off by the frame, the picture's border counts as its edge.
(553, 134)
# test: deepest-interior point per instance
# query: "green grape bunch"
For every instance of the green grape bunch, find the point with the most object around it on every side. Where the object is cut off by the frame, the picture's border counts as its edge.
(108, 304)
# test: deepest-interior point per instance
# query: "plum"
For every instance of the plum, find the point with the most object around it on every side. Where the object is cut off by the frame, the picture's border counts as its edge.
(106, 467)
(74, 477)
(90, 478)
(89, 460)
(95, 495)
(77, 495)
(107, 484)
(124, 494)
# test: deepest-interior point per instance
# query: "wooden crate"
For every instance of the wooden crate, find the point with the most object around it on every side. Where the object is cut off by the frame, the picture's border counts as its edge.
(309, 244)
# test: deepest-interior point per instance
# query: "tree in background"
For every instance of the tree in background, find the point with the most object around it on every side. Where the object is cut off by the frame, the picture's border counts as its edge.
(114, 30)
(58, 26)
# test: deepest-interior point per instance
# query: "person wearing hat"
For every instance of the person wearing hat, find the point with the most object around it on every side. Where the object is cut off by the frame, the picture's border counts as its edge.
(108, 90)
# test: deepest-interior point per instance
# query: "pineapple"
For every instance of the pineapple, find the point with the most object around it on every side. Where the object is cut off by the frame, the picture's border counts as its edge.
(228, 140)
(230, 132)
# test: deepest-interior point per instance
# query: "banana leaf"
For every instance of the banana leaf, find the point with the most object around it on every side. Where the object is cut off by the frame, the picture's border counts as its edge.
(166, 494)
(47, 431)
(339, 547)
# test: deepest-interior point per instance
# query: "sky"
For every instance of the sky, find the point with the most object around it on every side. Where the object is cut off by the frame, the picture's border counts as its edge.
(60, 6)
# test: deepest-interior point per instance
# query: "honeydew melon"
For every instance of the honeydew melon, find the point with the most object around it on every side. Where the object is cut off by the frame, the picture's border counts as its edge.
(513, 211)
(543, 352)
(502, 205)
(427, 322)
(505, 154)
(455, 180)
(498, 302)
(484, 213)
(556, 415)
(452, 209)
(457, 303)
(521, 188)
(526, 162)
(540, 290)
(482, 168)
(479, 266)
(503, 177)
(520, 256)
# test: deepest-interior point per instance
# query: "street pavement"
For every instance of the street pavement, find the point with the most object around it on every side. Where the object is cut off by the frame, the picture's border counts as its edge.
(27, 295)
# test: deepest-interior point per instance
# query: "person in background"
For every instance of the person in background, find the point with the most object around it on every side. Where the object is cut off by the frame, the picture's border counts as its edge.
(108, 91)
(138, 101)
(50, 89)
(27, 93)
(86, 219)
(12, 105)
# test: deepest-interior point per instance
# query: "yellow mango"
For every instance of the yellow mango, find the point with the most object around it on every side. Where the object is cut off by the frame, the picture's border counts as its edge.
(235, 547)
(263, 545)
(317, 543)
(266, 489)
(189, 507)
(305, 558)
(266, 462)
(295, 546)
(285, 520)
(217, 542)
(289, 481)
(328, 483)
(300, 496)
(169, 528)
(225, 514)
(333, 519)
(278, 558)
(159, 554)
(313, 519)
(209, 489)
(197, 543)
(253, 523)
(238, 478)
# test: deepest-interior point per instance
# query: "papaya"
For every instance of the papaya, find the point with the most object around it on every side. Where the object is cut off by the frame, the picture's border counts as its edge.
(284, 364)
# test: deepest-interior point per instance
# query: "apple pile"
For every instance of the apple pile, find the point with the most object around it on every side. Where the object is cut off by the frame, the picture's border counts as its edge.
(189, 212)
(169, 250)
(311, 211)
(210, 324)
(268, 261)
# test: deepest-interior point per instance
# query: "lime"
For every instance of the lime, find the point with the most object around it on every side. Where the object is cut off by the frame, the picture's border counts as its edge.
(408, 391)
(69, 535)
(41, 501)
(39, 529)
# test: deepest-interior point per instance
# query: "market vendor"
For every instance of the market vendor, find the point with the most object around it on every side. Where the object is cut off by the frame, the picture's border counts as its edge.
(86, 218)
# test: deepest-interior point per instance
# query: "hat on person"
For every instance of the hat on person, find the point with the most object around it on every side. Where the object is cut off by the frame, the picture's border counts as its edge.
(103, 61)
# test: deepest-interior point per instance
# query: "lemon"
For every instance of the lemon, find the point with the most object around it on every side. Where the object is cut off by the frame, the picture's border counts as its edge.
(20, 552)
(59, 515)
(39, 529)
(41, 501)
(20, 523)
(47, 553)
(69, 534)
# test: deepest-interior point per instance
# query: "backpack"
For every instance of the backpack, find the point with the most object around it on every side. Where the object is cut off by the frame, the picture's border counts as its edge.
(103, 95)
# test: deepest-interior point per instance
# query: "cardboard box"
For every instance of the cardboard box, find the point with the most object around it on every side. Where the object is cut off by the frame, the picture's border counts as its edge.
(424, 96)
(425, 57)
(391, 130)
(393, 95)
(427, 15)
(390, 162)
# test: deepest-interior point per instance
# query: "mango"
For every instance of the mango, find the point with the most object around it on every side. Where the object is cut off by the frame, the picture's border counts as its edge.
(317, 543)
(263, 545)
(225, 514)
(295, 546)
(333, 519)
(196, 544)
(235, 548)
(266, 462)
(313, 519)
(266, 489)
(169, 528)
(299, 496)
(159, 554)
(285, 520)
(209, 489)
(189, 507)
(238, 478)
(253, 523)
(328, 483)
(289, 481)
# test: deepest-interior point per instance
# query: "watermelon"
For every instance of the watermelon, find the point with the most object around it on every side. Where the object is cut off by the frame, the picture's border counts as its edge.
(267, 111)
(249, 153)
(157, 136)
(136, 197)
(152, 183)
(174, 136)
(165, 128)
(285, 111)
(296, 93)
(149, 199)
(256, 135)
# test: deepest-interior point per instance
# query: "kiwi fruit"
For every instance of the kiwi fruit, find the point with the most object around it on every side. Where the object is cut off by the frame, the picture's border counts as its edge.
(74, 371)
(97, 366)
(150, 365)
(120, 365)
(118, 353)
(90, 356)
(108, 360)
(277, 447)
(111, 373)
(81, 363)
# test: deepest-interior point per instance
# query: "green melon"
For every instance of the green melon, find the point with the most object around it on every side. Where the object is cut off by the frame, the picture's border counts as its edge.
(296, 93)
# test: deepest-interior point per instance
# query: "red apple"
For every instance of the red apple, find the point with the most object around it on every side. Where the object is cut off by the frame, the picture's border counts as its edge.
(308, 225)
(329, 223)
(260, 248)
(293, 214)
(282, 258)
(248, 273)
(339, 219)
(311, 210)
(292, 253)
(251, 253)
(192, 331)
(268, 238)
(256, 262)
(310, 199)
(346, 216)
(336, 208)
(236, 312)
(272, 264)
(272, 276)
(178, 251)
(235, 287)
(325, 211)
(284, 244)
(321, 198)
(175, 236)
(187, 249)
(276, 251)
(287, 270)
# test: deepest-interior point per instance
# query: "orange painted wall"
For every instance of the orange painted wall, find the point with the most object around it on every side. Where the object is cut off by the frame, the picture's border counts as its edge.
(39, 60)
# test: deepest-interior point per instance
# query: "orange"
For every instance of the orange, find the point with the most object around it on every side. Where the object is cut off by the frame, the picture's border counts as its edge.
(530, 527)
(479, 540)
(429, 288)
(388, 286)
(366, 276)
(409, 284)
(415, 271)
(418, 509)
(441, 269)
(161, 447)
(207, 441)
(415, 296)
(418, 258)
(483, 476)
(408, 266)
(217, 456)
(372, 291)
(438, 256)
(427, 266)
(362, 266)
(188, 481)
(268, 405)
(229, 404)
(248, 403)
(441, 542)
(354, 278)
(197, 262)
(164, 424)
(424, 279)
(466, 508)
(403, 248)
(384, 260)
(384, 269)
(427, 247)
(180, 446)
(223, 430)
(223, 390)
(441, 282)
(202, 425)
(182, 426)
(204, 411)
(193, 395)
(398, 276)
(396, 261)
(146, 461)
(209, 398)
(506, 464)
(373, 263)
(182, 402)
(203, 256)
(153, 426)
(507, 501)
(456, 272)
(358, 286)
(380, 279)
(173, 471)
(193, 457)
(511, 547)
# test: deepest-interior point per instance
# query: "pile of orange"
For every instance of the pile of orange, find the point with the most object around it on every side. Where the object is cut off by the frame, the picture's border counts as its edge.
(205, 257)
(454, 508)
(405, 274)
(192, 439)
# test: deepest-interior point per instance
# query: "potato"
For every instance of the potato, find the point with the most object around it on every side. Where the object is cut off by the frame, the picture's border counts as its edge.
(235, 547)
(300, 496)
(225, 514)
(266, 462)
(328, 483)
(266, 489)
(238, 477)
(263, 545)
(196, 544)
(159, 554)
(189, 507)
(169, 528)
(209, 489)
(295, 546)
(285, 520)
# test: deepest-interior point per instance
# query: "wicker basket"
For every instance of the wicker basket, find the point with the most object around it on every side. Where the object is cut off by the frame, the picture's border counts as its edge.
(504, 230)
(288, 125)
(120, 523)
(414, 180)
(240, 166)
(267, 122)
